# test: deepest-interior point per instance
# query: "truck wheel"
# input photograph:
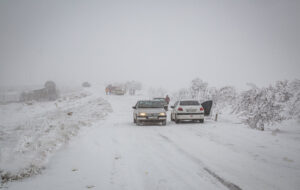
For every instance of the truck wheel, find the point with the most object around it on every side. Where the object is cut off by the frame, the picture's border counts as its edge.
(134, 120)
(164, 123)
(201, 120)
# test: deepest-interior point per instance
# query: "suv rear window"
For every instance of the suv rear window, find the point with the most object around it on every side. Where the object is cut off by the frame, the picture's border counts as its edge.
(189, 103)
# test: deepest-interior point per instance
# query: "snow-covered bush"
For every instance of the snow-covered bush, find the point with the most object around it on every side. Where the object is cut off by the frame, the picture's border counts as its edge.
(222, 97)
(201, 91)
(259, 106)
(288, 94)
(256, 107)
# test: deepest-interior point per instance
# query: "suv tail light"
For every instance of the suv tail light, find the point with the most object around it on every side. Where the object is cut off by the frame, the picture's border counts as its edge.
(201, 109)
(180, 109)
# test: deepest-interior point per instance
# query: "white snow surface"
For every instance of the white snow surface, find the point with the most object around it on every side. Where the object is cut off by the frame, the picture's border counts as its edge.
(116, 154)
(31, 132)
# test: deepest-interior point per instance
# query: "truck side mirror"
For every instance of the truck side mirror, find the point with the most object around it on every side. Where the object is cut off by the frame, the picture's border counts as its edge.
(133, 107)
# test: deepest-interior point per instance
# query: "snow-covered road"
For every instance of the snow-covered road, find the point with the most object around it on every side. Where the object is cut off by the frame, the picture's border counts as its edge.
(116, 154)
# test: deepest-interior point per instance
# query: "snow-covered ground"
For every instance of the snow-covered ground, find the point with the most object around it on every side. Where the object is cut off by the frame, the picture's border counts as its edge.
(115, 154)
(31, 132)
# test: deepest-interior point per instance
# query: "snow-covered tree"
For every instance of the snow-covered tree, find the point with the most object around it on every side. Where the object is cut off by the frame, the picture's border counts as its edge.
(258, 107)
(132, 86)
(181, 94)
(293, 104)
(198, 88)
(157, 92)
(222, 97)
(227, 94)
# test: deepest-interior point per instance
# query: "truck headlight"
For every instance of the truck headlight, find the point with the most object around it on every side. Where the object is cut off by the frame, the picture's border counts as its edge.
(142, 114)
(162, 114)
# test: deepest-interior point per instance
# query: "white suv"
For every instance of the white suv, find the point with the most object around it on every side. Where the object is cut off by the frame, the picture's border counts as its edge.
(187, 110)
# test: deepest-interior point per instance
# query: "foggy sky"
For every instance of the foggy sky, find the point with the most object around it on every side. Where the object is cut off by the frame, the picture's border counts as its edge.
(160, 43)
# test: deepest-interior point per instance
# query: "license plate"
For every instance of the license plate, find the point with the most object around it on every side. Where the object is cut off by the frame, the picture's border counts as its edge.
(152, 117)
(191, 110)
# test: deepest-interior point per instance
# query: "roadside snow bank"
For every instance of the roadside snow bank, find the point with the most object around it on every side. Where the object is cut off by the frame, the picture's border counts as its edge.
(31, 132)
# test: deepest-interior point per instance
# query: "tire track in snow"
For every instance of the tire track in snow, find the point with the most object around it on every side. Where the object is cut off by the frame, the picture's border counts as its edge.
(228, 184)
(169, 166)
(115, 176)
